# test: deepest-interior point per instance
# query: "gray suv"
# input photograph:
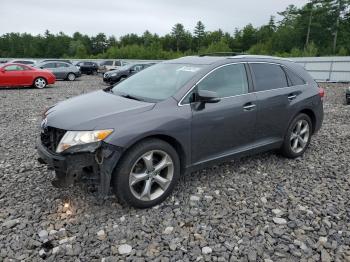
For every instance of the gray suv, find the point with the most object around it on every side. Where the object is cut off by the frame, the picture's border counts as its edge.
(178, 116)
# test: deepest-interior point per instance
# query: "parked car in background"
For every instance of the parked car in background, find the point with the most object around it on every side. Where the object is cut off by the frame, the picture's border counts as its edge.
(56, 60)
(114, 76)
(61, 70)
(24, 62)
(88, 68)
(12, 75)
(347, 95)
(108, 65)
(179, 116)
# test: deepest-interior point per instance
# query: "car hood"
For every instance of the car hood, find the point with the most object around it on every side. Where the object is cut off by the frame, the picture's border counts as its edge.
(116, 71)
(94, 110)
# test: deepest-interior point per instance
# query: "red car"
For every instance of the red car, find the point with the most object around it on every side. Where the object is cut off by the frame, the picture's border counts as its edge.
(14, 74)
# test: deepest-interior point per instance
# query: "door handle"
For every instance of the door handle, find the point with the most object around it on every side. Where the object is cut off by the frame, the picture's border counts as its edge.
(292, 97)
(249, 107)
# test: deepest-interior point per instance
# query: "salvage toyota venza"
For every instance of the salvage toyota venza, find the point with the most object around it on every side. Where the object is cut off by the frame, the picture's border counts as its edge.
(175, 117)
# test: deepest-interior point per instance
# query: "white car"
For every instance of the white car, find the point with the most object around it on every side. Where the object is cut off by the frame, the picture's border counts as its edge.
(109, 65)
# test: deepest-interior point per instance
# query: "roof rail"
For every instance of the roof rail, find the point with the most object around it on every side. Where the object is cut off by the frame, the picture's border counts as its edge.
(222, 54)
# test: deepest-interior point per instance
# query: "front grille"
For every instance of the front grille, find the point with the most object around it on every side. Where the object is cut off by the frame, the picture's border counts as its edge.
(51, 137)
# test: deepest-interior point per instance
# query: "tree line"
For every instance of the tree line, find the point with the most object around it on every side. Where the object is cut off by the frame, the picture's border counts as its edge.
(319, 28)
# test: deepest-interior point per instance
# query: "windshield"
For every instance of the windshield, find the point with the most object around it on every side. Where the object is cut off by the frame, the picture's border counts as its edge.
(157, 82)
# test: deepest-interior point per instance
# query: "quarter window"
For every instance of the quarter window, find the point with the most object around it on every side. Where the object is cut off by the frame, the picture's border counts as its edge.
(268, 76)
(230, 80)
(294, 78)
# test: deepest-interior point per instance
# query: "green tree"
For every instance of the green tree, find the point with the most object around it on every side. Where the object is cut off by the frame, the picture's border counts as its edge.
(199, 34)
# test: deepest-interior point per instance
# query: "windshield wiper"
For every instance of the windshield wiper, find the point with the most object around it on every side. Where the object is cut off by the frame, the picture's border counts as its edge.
(130, 97)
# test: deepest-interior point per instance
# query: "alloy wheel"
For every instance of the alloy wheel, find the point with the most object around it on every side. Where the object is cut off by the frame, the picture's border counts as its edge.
(40, 83)
(300, 136)
(71, 77)
(151, 175)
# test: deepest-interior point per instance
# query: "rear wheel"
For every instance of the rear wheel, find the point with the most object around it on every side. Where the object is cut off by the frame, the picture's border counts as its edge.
(71, 76)
(147, 174)
(40, 82)
(298, 136)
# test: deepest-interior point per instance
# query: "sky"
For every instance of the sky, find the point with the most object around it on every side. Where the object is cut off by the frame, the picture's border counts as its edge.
(120, 17)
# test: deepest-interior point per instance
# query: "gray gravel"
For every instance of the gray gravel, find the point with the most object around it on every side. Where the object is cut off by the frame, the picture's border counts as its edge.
(262, 208)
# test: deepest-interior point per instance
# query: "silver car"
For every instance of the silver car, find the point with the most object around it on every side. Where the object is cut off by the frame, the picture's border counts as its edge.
(61, 70)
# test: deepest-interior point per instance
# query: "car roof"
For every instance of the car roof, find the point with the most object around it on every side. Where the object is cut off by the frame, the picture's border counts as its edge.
(56, 61)
(10, 63)
(208, 59)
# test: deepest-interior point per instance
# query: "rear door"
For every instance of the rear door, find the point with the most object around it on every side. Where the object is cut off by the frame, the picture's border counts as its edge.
(275, 100)
(228, 126)
(52, 67)
(61, 70)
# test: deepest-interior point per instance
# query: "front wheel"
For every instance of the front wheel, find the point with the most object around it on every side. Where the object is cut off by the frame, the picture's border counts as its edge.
(71, 77)
(147, 174)
(40, 83)
(298, 137)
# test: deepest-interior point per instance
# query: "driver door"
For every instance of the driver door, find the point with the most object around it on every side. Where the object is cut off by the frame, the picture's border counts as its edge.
(223, 128)
(13, 75)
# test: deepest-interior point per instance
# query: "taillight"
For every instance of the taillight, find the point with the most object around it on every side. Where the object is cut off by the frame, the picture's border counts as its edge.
(321, 92)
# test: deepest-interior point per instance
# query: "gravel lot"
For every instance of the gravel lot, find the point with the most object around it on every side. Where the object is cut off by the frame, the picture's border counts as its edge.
(262, 208)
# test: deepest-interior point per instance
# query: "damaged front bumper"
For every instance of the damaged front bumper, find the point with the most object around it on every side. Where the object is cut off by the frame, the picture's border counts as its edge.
(92, 162)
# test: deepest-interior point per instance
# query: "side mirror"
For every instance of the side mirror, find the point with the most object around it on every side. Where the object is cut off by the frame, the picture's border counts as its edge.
(2, 70)
(205, 96)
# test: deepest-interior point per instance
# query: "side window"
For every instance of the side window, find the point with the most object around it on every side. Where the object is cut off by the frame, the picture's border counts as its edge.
(268, 76)
(14, 68)
(117, 63)
(226, 81)
(294, 78)
(108, 63)
(49, 65)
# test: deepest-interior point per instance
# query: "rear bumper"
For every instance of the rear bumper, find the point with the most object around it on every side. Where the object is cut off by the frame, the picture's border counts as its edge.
(319, 117)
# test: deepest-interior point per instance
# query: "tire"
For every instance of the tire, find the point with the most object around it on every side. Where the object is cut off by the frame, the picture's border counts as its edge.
(150, 184)
(71, 77)
(298, 137)
(40, 83)
(348, 101)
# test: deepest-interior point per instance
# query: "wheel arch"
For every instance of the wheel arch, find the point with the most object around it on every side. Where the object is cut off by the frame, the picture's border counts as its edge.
(171, 141)
(307, 111)
(40, 76)
(312, 116)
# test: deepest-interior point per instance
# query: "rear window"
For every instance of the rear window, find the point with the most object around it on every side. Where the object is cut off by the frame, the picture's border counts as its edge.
(268, 76)
(294, 79)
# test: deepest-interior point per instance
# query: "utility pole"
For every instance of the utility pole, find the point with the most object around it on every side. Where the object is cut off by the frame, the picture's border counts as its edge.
(337, 26)
(309, 25)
